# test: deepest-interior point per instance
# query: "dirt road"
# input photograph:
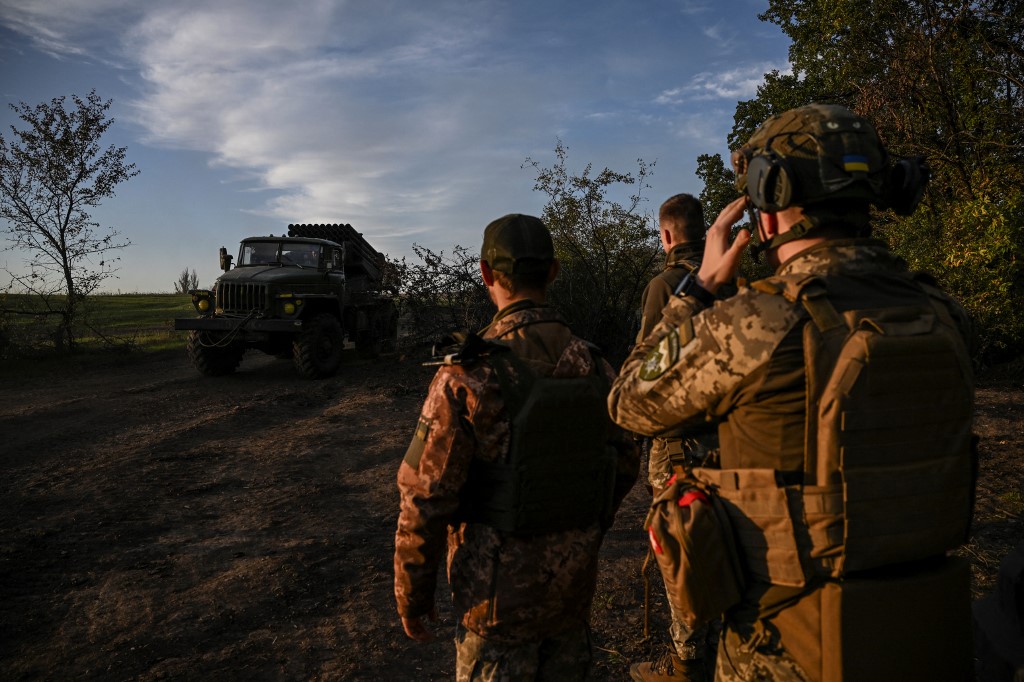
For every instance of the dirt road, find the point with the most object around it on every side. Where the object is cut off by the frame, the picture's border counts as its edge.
(159, 525)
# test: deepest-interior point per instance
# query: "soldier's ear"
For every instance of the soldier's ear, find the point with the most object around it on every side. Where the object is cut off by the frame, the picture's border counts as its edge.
(556, 267)
(487, 273)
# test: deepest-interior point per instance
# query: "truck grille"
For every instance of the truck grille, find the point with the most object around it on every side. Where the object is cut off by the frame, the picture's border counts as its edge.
(241, 298)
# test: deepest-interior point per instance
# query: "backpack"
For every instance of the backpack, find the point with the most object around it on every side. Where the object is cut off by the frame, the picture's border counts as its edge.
(560, 469)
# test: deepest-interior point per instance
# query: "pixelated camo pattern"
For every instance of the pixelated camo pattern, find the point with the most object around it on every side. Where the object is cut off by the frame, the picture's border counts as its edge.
(690, 362)
(507, 588)
(564, 656)
(750, 660)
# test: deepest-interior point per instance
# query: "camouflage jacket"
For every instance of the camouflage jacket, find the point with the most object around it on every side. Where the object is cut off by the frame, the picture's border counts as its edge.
(741, 361)
(505, 587)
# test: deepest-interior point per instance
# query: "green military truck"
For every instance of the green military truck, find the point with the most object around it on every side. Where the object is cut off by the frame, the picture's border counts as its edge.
(302, 296)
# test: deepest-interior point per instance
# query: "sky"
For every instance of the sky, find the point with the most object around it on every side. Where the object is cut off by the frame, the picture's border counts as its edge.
(411, 120)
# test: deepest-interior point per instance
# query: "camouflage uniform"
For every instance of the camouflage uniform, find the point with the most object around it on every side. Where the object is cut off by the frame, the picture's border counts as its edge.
(514, 595)
(691, 447)
(741, 363)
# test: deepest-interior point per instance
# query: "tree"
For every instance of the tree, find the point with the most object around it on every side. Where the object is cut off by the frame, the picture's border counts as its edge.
(608, 251)
(52, 173)
(441, 294)
(186, 282)
(939, 79)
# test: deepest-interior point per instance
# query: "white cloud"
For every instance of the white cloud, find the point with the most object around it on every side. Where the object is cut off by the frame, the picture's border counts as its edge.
(735, 84)
(400, 117)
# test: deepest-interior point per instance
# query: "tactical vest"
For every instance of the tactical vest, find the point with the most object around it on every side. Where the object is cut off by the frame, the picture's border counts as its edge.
(888, 470)
(559, 472)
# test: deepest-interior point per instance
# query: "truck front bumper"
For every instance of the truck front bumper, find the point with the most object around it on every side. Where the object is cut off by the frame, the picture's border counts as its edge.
(228, 324)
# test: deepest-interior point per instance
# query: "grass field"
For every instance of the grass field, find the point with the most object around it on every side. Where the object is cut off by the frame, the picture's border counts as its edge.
(143, 321)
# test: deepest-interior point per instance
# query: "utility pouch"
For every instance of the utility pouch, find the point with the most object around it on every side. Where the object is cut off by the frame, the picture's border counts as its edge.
(693, 544)
(912, 624)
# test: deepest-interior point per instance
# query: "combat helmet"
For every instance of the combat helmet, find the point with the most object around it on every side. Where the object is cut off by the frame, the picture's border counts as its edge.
(822, 154)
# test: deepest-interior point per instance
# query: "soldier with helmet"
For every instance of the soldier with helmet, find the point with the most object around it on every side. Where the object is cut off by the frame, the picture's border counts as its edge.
(517, 469)
(843, 391)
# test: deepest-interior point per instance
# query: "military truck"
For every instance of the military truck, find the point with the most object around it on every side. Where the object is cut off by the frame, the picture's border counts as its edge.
(302, 296)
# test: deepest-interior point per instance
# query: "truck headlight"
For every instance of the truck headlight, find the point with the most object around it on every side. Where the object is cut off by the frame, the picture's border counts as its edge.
(290, 304)
(202, 300)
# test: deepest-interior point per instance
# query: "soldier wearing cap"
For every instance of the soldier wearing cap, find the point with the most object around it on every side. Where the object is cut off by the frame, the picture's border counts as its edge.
(808, 510)
(521, 593)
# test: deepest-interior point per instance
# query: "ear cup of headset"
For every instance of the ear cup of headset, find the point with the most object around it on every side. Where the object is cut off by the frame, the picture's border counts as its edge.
(904, 185)
(769, 182)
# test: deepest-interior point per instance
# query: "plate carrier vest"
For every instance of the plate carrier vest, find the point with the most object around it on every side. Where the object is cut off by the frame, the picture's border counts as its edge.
(888, 465)
(560, 469)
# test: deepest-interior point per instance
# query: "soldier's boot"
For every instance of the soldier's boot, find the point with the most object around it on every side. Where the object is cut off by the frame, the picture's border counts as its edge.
(669, 668)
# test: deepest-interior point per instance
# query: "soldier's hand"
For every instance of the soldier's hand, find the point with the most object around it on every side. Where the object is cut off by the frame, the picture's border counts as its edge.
(722, 259)
(415, 628)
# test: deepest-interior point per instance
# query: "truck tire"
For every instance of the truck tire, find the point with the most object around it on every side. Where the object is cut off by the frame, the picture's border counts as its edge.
(368, 341)
(381, 334)
(210, 359)
(389, 339)
(317, 350)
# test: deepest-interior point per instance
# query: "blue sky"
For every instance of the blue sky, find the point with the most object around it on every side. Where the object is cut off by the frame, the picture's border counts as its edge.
(409, 119)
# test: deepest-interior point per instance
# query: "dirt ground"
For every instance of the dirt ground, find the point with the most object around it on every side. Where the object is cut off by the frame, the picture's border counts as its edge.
(160, 525)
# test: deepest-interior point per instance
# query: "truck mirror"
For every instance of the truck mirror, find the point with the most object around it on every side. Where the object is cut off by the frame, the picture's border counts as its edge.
(225, 259)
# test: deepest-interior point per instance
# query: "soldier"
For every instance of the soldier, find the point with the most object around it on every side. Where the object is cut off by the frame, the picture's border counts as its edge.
(523, 401)
(843, 390)
(681, 225)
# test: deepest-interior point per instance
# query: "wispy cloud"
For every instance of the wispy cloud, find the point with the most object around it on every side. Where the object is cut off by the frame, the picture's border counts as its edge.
(397, 116)
(734, 84)
(64, 28)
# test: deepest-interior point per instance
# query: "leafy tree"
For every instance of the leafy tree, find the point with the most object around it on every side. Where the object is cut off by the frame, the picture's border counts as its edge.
(186, 282)
(608, 251)
(719, 185)
(939, 79)
(52, 172)
(441, 294)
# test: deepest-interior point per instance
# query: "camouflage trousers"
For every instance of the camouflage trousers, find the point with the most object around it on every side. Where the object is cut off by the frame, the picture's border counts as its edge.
(565, 656)
(755, 658)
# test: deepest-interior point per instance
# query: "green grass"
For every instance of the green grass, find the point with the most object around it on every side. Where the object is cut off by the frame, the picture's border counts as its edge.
(141, 321)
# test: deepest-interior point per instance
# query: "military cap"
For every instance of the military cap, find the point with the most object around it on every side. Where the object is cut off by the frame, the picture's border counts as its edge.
(518, 243)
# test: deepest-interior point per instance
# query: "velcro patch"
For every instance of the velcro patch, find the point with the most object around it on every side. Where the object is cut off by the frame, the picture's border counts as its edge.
(666, 353)
(419, 442)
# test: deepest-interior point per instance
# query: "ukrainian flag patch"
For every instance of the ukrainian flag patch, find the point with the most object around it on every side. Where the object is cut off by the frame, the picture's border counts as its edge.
(853, 163)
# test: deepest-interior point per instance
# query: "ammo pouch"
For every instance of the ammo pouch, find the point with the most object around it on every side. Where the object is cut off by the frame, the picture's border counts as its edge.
(692, 541)
(912, 623)
(560, 470)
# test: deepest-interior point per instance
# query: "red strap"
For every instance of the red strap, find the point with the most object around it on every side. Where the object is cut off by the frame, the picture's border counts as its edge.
(655, 545)
(692, 496)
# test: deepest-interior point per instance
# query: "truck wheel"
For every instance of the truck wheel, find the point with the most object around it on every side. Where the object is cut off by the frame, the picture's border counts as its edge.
(317, 350)
(210, 359)
(389, 338)
(368, 341)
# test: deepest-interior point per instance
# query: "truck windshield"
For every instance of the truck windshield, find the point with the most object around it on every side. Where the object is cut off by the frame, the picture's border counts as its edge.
(259, 253)
(280, 253)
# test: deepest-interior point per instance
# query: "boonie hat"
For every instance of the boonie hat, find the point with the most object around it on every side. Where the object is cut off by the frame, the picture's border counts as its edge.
(517, 243)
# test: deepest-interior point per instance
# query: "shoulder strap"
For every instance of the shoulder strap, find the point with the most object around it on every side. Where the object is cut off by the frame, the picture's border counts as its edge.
(823, 340)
